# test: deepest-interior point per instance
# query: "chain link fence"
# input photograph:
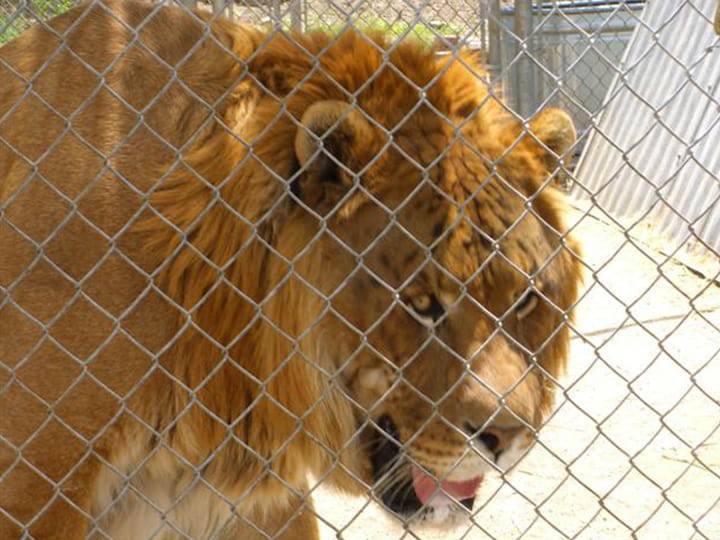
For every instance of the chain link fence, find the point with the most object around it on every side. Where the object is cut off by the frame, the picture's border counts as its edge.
(287, 280)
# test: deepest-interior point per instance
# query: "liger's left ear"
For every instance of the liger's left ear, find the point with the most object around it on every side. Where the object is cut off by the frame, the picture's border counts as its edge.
(329, 146)
(555, 129)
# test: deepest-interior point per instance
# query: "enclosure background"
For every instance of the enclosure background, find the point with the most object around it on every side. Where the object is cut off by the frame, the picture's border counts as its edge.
(633, 448)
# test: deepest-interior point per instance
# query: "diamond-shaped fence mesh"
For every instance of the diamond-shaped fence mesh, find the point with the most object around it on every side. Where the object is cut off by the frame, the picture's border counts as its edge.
(305, 269)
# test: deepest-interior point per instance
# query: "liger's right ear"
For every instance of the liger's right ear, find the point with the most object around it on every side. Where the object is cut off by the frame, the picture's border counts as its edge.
(555, 130)
(328, 146)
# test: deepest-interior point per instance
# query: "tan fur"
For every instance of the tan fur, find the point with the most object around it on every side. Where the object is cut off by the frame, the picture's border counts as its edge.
(191, 367)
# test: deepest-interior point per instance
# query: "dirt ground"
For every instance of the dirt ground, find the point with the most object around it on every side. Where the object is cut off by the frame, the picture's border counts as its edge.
(634, 445)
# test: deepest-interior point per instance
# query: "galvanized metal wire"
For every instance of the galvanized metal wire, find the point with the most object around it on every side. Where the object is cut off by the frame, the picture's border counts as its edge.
(625, 70)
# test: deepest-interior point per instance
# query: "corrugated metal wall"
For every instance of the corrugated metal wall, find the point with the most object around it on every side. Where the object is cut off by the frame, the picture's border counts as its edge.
(654, 154)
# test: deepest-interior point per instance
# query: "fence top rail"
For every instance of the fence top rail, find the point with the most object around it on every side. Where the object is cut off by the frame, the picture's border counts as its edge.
(592, 6)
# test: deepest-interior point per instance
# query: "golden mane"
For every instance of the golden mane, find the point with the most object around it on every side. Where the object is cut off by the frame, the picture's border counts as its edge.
(246, 157)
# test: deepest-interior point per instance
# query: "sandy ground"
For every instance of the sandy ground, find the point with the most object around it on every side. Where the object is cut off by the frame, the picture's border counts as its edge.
(462, 14)
(634, 446)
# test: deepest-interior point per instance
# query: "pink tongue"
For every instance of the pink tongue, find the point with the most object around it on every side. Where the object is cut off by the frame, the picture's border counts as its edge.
(426, 487)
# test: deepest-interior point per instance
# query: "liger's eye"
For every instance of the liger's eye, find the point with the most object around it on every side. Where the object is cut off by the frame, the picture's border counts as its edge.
(427, 306)
(526, 305)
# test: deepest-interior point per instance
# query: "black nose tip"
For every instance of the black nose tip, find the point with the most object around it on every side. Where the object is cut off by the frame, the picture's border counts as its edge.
(491, 441)
(387, 425)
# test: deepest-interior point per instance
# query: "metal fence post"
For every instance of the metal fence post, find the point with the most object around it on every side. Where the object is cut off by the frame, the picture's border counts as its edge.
(494, 29)
(296, 14)
(525, 70)
(219, 6)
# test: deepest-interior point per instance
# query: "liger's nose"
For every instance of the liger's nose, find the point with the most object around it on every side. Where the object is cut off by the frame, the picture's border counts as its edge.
(495, 439)
(490, 440)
